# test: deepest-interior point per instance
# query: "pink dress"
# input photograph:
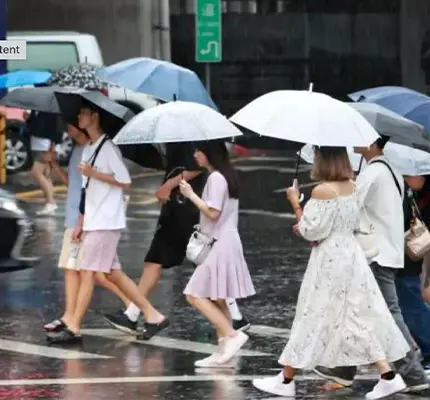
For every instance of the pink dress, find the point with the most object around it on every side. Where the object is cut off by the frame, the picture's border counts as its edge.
(224, 274)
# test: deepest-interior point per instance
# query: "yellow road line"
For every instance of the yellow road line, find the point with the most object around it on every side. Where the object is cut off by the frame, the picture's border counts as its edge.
(38, 192)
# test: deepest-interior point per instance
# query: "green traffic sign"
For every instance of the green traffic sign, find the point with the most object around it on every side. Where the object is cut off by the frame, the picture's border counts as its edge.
(208, 31)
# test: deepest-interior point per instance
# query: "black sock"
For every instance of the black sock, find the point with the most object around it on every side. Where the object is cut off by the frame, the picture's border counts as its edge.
(287, 380)
(388, 376)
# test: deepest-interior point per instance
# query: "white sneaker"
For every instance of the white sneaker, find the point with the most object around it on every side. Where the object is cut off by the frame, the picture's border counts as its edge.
(230, 346)
(213, 362)
(386, 388)
(275, 385)
(49, 209)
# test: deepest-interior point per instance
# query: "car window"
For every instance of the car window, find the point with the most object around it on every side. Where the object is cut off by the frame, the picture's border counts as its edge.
(46, 56)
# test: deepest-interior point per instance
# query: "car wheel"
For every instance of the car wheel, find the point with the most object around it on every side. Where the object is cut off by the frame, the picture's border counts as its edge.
(64, 149)
(17, 152)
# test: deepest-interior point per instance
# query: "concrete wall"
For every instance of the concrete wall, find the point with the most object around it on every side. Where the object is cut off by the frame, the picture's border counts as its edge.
(122, 27)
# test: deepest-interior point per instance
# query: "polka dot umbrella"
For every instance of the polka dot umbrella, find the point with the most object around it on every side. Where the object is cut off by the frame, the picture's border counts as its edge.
(79, 76)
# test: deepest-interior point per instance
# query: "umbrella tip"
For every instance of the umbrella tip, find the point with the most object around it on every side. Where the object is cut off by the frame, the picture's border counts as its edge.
(311, 87)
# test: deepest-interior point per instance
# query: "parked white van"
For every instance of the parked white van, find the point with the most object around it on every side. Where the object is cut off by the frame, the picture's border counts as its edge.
(53, 50)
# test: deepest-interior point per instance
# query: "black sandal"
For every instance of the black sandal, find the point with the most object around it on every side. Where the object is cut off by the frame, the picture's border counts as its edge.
(57, 325)
(150, 329)
(66, 336)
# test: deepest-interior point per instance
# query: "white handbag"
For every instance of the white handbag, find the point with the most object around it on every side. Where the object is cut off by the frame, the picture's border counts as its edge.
(199, 246)
(365, 236)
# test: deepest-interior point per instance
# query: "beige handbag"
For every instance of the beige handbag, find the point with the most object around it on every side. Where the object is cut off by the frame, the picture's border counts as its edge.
(417, 238)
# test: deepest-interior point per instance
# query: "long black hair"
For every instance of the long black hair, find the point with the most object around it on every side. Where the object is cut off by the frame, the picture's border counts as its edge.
(218, 157)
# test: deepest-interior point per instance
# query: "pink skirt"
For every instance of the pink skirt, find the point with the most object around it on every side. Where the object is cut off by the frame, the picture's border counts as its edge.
(99, 251)
(224, 274)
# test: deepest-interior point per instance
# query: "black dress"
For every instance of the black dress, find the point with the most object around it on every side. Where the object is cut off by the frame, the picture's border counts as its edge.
(176, 222)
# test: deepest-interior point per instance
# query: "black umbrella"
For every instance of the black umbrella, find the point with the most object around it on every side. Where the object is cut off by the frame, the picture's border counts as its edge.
(36, 98)
(113, 116)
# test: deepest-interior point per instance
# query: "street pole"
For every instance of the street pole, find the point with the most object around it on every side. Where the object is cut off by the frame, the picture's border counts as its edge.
(208, 77)
(164, 18)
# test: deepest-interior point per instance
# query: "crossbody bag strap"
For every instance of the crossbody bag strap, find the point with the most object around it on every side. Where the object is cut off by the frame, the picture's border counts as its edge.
(392, 174)
(94, 156)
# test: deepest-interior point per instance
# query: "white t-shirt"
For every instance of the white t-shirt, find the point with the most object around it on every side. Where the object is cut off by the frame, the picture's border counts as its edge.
(39, 144)
(104, 206)
(378, 194)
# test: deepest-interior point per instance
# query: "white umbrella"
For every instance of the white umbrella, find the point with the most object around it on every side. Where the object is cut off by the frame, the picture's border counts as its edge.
(177, 121)
(306, 117)
(406, 160)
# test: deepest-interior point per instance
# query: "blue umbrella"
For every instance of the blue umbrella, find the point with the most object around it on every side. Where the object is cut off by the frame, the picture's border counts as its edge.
(406, 102)
(160, 79)
(23, 78)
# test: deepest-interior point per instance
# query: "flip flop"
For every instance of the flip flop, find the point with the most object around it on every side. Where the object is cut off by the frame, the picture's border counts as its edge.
(65, 336)
(150, 329)
(56, 325)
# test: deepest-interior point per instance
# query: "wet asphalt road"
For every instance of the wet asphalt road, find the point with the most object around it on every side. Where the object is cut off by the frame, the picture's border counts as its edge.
(109, 365)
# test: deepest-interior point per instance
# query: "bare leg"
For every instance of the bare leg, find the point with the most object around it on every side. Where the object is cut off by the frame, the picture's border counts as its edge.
(38, 172)
(213, 313)
(83, 301)
(289, 372)
(223, 306)
(149, 279)
(383, 367)
(129, 288)
(71, 288)
(102, 281)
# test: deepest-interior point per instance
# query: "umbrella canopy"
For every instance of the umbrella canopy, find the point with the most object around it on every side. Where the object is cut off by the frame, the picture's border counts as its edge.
(113, 116)
(146, 155)
(386, 122)
(36, 98)
(306, 117)
(177, 122)
(161, 79)
(78, 75)
(23, 78)
(406, 102)
(406, 160)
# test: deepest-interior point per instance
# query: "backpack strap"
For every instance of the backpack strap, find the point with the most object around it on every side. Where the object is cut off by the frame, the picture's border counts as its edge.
(392, 174)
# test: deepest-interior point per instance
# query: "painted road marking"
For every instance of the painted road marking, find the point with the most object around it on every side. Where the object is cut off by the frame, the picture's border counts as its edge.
(270, 331)
(251, 168)
(152, 379)
(46, 351)
(168, 343)
(304, 185)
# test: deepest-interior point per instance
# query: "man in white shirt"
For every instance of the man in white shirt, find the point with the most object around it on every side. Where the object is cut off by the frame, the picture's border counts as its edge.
(380, 191)
(102, 219)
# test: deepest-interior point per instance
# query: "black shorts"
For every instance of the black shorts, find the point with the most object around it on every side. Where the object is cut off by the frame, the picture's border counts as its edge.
(169, 244)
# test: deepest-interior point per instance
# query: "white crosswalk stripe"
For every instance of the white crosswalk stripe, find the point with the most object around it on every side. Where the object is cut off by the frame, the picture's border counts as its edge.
(165, 342)
(46, 351)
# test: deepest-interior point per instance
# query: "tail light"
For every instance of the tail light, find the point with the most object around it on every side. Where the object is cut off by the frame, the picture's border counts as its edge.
(105, 92)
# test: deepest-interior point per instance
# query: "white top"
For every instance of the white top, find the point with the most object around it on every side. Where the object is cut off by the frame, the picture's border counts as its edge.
(104, 206)
(39, 144)
(378, 194)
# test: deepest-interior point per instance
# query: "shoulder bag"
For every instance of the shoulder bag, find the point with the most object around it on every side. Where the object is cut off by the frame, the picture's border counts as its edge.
(417, 238)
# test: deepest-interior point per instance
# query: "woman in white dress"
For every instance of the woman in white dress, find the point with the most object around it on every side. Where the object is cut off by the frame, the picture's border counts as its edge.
(341, 317)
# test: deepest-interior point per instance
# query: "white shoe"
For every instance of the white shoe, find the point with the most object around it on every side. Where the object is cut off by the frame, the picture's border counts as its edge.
(213, 362)
(49, 209)
(386, 388)
(275, 385)
(230, 346)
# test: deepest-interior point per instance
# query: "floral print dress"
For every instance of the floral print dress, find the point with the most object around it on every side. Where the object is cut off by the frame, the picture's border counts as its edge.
(341, 317)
